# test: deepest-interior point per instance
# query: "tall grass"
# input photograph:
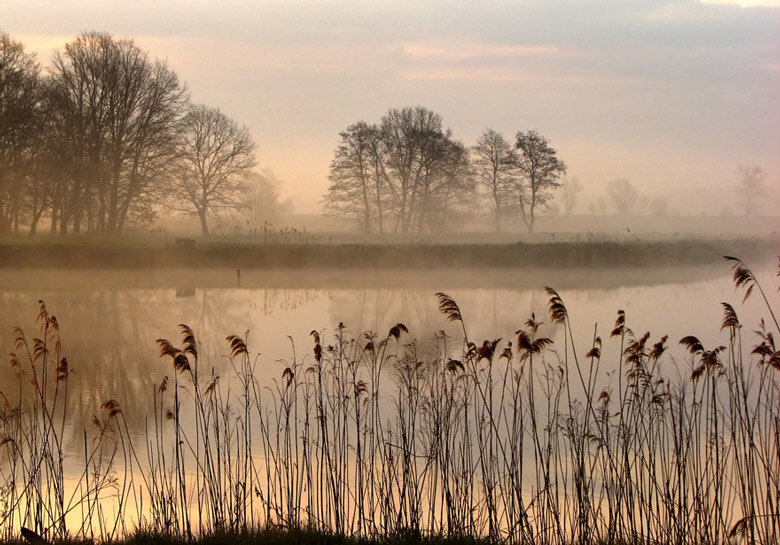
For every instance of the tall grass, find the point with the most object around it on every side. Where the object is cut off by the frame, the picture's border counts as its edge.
(38, 488)
(378, 435)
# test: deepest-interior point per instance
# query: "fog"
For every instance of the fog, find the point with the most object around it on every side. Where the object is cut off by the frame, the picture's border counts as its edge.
(672, 96)
(109, 320)
(435, 182)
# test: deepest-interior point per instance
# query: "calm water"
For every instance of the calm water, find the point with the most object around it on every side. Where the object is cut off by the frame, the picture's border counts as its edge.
(110, 320)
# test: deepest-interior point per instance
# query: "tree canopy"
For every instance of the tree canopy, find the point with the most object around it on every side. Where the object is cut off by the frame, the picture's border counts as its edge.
(214, 157)
(108, 139)
(539, 169)
(406, 174)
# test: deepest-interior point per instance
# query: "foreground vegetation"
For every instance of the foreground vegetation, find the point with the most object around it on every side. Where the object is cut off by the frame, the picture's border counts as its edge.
(276, 536)
(380, 436)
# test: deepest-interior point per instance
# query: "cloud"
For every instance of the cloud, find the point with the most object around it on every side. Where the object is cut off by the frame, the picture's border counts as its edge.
(421, 51)
(654, 75)
(745, 3)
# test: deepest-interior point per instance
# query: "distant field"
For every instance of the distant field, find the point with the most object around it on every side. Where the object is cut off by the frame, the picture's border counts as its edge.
(576, 226)
(315, 228)
(255, 254)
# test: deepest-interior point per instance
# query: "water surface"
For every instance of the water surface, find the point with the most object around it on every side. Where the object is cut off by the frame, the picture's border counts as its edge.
(110, 320)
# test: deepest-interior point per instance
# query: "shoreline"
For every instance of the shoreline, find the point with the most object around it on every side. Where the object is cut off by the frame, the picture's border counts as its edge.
(219, 255)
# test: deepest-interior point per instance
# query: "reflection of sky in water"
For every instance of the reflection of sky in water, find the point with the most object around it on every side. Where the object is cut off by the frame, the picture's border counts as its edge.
(109, 333)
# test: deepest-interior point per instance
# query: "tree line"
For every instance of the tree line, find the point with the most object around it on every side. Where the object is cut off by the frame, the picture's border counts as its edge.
(407, 174)
(107, 137)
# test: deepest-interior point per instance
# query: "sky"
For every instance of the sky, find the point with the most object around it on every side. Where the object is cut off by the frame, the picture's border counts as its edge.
(672, 95)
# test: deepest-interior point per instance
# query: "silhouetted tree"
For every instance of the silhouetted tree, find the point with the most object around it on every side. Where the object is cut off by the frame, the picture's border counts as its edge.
(408, 170)
(412, 139)
(20, 124)
(356, 177)
(752, 187)
(570, 191)
(118, 113)
(215, 156)
(659, 207)
(539, 169)
(266, 204)
(448, 198)
(495, 160)
(622, 195)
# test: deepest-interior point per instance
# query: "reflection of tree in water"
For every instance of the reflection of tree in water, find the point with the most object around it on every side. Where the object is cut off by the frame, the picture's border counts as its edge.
(109, 337)
(285, 299)
(491, 313)
(488, 313)
(109, 334)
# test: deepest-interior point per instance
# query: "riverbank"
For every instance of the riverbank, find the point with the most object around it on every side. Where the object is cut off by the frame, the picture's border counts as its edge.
(191, 253)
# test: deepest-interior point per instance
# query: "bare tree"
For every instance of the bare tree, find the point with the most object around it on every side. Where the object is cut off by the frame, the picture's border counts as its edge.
(448, 195)
(266, 204)
(215, 156)
(356, 177)
(494, 160)
(420, 159)
(622, 195)
(539, 169)
(659, 207)
(752, 187)
(407, 170)
(118, 111)
(570, 191)
(20, 120)
(409, 136)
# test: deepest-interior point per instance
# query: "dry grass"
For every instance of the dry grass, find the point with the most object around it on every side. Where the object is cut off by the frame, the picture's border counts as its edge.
(380, 437)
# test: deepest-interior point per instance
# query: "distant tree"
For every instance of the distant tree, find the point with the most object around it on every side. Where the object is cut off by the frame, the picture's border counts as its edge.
(356, 177)
(570, 190)
(215, 156)
(407, 171)
(118, 112)
(266, 204)
(494, 161)
(752, 187)
(20, 130)
(539, 169)
(598, 207)
(449, 201)
(622, 195)
(414, 143)
(659, 207)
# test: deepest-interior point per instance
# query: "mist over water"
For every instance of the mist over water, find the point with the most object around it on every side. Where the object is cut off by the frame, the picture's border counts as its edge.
(109, 321)
(305, 276)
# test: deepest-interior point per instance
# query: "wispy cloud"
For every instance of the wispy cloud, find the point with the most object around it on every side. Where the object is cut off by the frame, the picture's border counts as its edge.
(746, 3)
(474, 51)
(479, 61)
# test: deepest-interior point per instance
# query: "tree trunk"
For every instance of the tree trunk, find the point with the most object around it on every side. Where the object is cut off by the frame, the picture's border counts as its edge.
(63, 225)
(497, 212)
(53, 226)
(366, 210)
(34, 223)
(203, 222)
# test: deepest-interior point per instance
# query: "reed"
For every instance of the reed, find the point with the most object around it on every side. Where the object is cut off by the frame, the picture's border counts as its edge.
(380, 437)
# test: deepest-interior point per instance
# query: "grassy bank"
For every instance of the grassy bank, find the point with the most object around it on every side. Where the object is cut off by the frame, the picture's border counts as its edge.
(189, 253)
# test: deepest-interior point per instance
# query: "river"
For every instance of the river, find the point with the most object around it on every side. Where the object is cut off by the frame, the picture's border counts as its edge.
(110, 321)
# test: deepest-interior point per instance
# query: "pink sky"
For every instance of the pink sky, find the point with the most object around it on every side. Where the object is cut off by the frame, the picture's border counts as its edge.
(672, 96)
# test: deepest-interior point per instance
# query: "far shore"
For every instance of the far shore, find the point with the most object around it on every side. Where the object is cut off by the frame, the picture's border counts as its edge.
(186, 253)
